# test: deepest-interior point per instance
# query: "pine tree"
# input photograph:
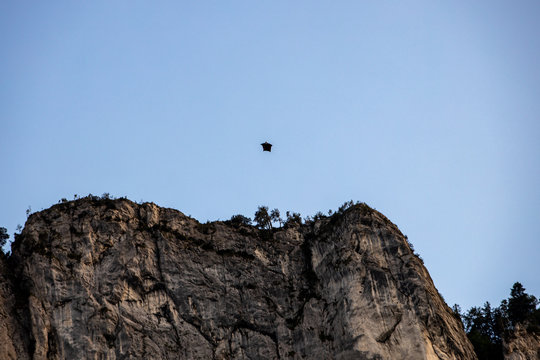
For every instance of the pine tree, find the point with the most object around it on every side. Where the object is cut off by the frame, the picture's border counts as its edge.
(520, 304)
(262, 218)
(3, 237)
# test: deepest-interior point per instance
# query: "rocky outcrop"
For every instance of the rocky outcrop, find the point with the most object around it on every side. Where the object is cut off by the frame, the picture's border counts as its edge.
(522, 345)
(112, 279)
(13, 342)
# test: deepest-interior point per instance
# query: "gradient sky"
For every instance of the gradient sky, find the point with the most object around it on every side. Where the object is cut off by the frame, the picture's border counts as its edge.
(428, 111)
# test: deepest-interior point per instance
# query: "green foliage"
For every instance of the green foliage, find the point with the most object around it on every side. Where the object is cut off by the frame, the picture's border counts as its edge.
(481, 325)
(457, 311)
(318, 216)
(105, 197)
(275, 216)
(484, 348)
(411, 246)
(409, 243)
(262, 218)
(293, 219)
(238, 220)
(346, 205)
(520, 304)
(3, 237)
(486, 327)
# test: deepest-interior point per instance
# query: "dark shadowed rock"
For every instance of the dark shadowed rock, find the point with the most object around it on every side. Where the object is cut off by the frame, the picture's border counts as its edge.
(111, 279)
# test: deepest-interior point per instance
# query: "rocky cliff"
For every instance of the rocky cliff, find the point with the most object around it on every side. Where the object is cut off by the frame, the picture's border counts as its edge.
(522, 345)
(112, 279)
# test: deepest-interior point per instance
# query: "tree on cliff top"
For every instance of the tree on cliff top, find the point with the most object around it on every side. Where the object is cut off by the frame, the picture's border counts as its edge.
(262, 218)
(240, 220)
(520, 304)
(487, 327)
(3, 237)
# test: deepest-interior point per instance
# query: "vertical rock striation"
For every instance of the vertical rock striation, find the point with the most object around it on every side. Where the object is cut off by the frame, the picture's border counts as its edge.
(111, 279)
(13, 342)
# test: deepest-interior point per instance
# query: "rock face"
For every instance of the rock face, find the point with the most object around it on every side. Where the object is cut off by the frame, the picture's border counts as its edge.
(112, 279)
(522, 345)
(13, 342)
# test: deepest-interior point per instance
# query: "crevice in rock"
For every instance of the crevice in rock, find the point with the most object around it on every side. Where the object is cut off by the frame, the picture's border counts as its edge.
(168, 313)
(309, 290)
(163, 286)
(271, 303)
(52, 347)
(309, 273)
(293, 322)
(386, 334)
(196, 324)
(243, 324)
(20, 286)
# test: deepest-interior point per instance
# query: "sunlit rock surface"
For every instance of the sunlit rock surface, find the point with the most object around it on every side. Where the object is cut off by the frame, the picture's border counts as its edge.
(112, 279)
(522, 345)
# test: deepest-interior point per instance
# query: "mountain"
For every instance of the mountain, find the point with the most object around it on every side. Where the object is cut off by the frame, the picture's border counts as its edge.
(112, 279)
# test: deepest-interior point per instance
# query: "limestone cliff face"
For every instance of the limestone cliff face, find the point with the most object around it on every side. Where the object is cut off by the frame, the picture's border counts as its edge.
(118, 280)
(13, 342)
(522, 345)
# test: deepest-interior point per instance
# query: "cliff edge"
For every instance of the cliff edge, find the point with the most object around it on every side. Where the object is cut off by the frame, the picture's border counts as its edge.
(112, 279)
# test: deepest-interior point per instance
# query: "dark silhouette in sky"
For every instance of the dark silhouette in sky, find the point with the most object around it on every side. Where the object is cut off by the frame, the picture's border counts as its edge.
(267, 146)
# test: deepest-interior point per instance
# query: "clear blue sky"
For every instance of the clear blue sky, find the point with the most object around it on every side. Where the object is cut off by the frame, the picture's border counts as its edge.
(428, 111)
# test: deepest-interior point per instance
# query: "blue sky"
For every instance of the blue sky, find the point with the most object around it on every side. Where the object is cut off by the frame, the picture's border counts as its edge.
(427, 111)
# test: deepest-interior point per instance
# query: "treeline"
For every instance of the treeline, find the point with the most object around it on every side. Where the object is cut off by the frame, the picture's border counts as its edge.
(4, 236)
(488, 327)
(266, 219)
